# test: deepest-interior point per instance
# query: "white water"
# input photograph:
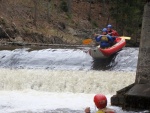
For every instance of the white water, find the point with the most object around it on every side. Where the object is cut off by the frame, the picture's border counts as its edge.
(62, 59)
(29, 101)
(107, 82)
(67, 59)
(38, 101)
(45, 90)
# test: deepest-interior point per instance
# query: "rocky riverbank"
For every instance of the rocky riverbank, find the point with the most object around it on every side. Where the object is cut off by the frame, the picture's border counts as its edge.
(19, 27)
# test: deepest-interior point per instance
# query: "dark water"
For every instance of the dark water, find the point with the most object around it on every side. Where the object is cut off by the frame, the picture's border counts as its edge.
(66, 59)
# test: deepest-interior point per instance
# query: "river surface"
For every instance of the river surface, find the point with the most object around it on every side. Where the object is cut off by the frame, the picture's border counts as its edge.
(54, 80)
(67, 59)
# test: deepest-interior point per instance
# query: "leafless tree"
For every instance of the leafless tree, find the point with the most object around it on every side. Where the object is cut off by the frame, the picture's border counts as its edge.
(89, 14)
(35, 11)
(48, 10)
(69, 6)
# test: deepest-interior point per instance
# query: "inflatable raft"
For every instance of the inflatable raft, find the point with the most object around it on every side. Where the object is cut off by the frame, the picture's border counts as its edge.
(98, 52)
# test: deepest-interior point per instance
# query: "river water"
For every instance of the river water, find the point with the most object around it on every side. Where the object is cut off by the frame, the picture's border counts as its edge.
(54, 80)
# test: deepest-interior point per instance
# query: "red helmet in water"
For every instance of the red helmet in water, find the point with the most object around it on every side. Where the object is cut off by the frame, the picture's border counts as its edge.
(100, 101)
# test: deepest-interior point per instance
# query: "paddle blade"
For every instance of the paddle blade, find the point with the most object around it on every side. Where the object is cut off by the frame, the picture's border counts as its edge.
(87, 41)
(125, 37)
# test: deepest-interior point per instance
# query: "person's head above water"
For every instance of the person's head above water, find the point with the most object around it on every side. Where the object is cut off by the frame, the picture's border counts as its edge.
(100, 101)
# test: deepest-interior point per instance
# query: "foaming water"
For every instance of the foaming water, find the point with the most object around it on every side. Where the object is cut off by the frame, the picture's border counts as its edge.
(107, 82)
(67, 59)
(48, 102)
(60, 80)
(125, 60)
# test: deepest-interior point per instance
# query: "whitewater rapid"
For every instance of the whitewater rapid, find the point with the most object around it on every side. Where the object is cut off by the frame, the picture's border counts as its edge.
(67, 59)
(61, 80)
(38, 91)
(107, 82)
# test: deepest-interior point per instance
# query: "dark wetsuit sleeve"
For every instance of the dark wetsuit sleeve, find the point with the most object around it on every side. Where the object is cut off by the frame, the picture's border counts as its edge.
(110, 38)
(98, 38)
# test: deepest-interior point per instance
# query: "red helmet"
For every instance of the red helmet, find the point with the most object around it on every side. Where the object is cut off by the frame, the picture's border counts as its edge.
(100, 101)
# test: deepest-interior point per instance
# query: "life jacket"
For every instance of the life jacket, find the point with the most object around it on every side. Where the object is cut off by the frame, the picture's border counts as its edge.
(113, 32)
(104, 38)
(100, 111)
(105, 110)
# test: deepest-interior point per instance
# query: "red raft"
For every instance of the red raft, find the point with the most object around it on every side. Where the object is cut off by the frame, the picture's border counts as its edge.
(104, 53)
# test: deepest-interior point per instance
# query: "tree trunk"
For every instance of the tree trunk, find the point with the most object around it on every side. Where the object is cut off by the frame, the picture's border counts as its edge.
(48, 10)
(35, 12)
(89, 14)
(69, 3)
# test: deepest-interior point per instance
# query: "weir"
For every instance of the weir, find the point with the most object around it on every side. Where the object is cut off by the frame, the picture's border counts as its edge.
(137, 96)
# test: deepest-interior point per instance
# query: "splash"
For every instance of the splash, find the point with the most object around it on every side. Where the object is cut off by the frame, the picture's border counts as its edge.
(106, 82)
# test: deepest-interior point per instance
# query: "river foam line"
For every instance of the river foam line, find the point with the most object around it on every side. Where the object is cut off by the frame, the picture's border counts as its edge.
(30, 101)
(106, 82)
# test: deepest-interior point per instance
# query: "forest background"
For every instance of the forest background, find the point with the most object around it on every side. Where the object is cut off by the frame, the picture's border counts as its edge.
(68, 21)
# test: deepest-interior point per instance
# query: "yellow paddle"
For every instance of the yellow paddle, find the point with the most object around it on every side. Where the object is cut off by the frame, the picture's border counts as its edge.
(89, 40)
(125, 37)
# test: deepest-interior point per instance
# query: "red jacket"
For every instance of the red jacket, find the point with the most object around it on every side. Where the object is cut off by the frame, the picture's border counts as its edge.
(113, 33)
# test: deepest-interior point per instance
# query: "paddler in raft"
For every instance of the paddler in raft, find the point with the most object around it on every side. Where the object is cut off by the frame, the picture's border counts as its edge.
(104, 40)
(112, 32)
(100, 101)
